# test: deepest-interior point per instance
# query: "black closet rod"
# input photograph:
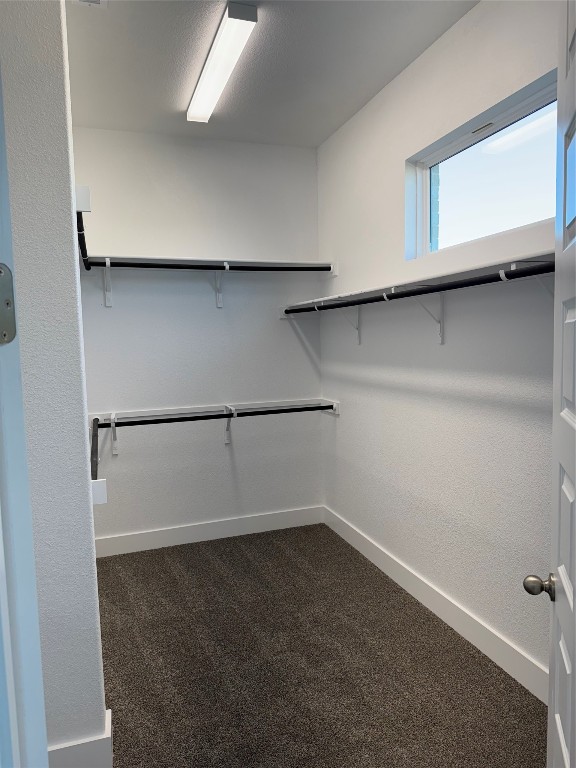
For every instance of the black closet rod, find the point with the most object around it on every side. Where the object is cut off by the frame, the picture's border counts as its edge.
(165, 264)
(94, 449)
(421, 290)
(97, 424)
(82, 241)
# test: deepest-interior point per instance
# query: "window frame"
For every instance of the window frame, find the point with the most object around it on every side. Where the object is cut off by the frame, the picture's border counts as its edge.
(418, 233)
(569, 227)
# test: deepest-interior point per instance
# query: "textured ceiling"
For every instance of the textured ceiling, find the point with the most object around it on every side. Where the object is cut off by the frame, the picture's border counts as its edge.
(307, 68)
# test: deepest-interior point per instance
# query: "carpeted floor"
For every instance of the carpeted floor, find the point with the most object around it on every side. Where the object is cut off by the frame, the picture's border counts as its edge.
(290, 650)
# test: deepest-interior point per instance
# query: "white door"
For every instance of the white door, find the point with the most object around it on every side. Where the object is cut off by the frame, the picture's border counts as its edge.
(22, 719)
(562, 701)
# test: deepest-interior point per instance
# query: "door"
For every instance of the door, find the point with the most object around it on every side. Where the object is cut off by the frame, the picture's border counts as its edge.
(22, 719)
(562, 700)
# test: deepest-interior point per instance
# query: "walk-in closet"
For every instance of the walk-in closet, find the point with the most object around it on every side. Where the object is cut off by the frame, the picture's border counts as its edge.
(323, 458)
(295, 291)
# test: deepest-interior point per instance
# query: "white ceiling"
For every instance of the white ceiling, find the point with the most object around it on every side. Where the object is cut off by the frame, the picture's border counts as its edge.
(307, 68)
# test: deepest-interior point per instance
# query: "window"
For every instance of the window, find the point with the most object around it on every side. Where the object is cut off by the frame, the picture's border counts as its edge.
(494, 175)
(502, 182)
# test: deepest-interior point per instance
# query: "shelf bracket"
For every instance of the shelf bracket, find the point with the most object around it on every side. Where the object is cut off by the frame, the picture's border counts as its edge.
(218, 285)
(113, 434)
(356, 325)
(107, 284)
(438, 320)
(228, 433)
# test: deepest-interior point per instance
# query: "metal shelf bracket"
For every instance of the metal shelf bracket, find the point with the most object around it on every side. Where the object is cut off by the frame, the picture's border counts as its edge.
(357, 324)
(228, 433)
(218, 285)
(107, 284)
(113, 434)
(439, 320)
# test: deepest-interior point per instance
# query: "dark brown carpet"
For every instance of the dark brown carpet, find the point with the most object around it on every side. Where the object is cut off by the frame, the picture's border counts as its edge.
(289, 649)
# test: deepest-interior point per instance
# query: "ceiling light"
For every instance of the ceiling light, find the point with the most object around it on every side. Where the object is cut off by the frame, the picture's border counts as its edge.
(235, 29)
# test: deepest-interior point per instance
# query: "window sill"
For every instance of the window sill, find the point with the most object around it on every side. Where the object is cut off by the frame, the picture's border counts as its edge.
(521, 243)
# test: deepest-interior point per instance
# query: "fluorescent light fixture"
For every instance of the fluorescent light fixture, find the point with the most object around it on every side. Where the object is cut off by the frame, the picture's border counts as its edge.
(235, 29)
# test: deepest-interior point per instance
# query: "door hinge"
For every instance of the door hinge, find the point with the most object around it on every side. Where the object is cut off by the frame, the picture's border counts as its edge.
(7, 314)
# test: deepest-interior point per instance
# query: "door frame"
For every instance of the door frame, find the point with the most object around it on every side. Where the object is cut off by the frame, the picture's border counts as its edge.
(22, 715)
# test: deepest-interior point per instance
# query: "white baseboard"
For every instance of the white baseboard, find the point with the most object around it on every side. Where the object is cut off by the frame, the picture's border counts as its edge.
(526, 670)
(88, 753)
(215, 529)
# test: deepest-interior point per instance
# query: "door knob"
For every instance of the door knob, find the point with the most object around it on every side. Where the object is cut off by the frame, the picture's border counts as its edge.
(534, 585)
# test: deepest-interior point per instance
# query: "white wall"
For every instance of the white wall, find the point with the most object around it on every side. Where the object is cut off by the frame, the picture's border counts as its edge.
(442, 453)
(166, 196)
(165, 344)
(37, 125)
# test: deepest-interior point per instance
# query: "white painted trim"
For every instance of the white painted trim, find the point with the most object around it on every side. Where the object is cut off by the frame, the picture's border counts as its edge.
(213, 529)
(87, 753)
(83, 198)
(513, 660)
(99, 491)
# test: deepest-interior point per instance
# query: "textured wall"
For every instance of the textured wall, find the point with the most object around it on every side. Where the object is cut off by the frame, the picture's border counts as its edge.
(442, 453)
(36, 107)
(165, 344)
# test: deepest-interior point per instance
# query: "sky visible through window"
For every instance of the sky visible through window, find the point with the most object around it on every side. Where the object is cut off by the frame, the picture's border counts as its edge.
(505, 181)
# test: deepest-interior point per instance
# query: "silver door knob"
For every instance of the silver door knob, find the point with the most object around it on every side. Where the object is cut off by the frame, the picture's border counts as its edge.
(534, 585)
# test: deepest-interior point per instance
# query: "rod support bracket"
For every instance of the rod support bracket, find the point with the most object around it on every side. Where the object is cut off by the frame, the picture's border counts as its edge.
(218, 285)
(228, 432)
(335, 409)
(113, 434)
(107, 284)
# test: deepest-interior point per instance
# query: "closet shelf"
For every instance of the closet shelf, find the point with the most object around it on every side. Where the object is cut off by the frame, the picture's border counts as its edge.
(113, 421)
(205, 265)
(514, 271)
